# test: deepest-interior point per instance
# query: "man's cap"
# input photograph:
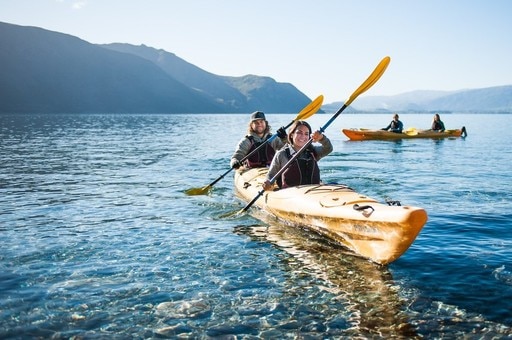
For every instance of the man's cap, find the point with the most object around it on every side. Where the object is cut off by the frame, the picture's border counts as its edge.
(257, 115)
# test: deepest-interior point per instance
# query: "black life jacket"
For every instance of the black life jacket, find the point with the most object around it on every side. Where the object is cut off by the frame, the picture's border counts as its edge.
(263, 157)
(304, 170)
(436, 125)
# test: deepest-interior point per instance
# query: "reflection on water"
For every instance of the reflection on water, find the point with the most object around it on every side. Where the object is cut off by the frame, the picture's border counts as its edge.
(364, 292)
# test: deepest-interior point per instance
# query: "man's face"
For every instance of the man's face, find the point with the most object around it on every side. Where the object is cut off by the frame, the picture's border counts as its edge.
(259, 126)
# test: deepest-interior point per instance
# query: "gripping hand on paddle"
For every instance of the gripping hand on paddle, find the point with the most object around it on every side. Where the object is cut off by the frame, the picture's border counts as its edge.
(235, 163)
(281, 133)
(267, 185)
(317, 136)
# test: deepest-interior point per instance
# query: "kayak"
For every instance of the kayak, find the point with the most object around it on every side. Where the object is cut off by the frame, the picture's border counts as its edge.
(376, 231)
(368, 134)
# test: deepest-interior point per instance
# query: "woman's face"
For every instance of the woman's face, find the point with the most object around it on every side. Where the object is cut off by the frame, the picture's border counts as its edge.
(300, 136)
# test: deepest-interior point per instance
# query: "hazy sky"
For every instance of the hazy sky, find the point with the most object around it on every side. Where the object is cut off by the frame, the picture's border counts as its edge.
(324, 47)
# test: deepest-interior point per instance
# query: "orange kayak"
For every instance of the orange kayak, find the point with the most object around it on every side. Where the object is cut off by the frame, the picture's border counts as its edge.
(368, 134)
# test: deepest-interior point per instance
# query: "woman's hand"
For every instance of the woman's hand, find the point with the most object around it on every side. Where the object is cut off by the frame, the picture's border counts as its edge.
(317, 136)
(267, 185)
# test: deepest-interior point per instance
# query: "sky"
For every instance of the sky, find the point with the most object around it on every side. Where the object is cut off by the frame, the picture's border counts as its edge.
(324, 47)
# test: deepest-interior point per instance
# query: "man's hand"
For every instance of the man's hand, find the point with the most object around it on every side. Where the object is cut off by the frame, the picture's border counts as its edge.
(236, 164)
(281, 133)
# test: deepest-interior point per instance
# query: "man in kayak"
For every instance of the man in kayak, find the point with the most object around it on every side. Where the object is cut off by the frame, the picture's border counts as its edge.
(258, 133)
(437, 124)
(304, 170)
(395, 125)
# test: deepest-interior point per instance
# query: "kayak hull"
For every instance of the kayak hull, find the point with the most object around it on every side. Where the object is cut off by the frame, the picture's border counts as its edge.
(376, 231)
(368, 134)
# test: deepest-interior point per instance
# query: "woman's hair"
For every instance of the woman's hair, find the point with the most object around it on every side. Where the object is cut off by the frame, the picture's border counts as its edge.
(294, 127)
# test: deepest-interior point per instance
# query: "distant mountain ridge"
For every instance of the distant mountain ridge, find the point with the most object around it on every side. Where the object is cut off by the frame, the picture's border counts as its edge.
(496, 99)
(241, 94)
(49, 72)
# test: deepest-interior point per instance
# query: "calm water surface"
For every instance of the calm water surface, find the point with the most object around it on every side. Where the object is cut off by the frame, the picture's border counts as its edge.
(98, 239)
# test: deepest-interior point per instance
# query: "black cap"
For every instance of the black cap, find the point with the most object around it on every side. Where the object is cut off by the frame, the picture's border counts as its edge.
(257, 115)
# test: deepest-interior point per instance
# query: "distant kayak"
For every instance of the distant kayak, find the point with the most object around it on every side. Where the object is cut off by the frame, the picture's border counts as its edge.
(368, 134)
(379, 232)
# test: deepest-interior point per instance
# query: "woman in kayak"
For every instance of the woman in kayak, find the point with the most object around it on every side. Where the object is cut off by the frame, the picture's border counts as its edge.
(437, 124)
(258, 133)
(304, 170)
(395, 125)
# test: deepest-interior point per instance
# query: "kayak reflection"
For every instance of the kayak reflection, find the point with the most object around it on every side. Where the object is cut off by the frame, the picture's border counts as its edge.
(365, 292)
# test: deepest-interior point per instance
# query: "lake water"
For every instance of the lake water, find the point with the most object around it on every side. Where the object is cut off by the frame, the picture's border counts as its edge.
(99, 240)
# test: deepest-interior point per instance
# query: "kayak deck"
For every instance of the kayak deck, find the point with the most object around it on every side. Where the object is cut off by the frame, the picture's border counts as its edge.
(379, 232)
(369, 134)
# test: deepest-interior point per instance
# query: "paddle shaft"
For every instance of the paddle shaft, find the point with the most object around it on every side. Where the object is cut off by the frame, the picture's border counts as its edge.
(326, 125)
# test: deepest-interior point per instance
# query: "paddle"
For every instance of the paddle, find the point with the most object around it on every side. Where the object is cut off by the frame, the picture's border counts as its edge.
(411, 131)
(305, 113)
(372, 79)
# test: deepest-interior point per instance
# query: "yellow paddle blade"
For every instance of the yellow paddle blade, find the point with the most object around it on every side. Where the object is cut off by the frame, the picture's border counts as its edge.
(310, 109)
(372, 79)
(412, 131)
(198, 191)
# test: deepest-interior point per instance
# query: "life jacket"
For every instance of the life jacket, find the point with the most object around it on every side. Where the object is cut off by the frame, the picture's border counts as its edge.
(304, 170)
(263, 157)
(436, 125)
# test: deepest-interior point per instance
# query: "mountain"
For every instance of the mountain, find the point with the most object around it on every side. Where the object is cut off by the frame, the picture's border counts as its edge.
(240, 94)
(265, 92)
(492, 99)
(213, 86)
(49, 72)
(43, 71)
(496, 99)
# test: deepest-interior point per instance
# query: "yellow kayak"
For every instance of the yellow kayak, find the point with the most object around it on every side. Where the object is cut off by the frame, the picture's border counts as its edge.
(368, 134)
(377, 231)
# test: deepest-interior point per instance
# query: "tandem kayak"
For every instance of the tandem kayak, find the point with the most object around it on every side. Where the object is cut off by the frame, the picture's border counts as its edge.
(376, 231)
(368, 134)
